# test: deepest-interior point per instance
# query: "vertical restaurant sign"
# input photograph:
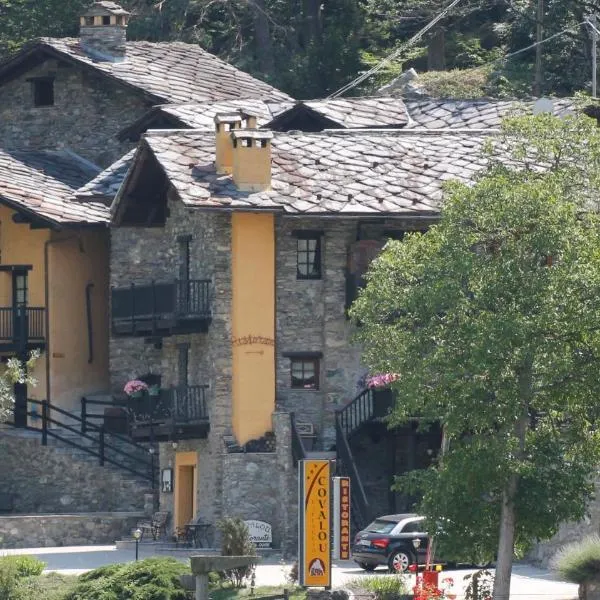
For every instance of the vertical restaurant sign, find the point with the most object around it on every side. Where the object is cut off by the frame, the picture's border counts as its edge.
(314, 531)
(341, 526)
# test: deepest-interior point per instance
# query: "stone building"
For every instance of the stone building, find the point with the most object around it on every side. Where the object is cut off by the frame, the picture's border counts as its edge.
(63, 103)
(235, 254)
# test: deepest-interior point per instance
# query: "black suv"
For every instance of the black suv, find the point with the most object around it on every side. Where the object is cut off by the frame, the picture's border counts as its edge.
(388, 540)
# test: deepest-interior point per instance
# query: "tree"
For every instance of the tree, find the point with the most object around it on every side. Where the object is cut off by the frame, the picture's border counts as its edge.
(15, 372)
(490, 320)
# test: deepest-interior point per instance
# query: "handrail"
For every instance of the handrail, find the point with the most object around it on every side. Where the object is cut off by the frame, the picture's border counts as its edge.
(100, 445)
(298, 450)
(357, 412)
(347, 466)
(85, 415)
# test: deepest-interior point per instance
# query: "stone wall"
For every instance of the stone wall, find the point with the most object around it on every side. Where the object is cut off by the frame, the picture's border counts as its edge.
(49, 479)
(88, 112)
(45, 531)
(542, 553)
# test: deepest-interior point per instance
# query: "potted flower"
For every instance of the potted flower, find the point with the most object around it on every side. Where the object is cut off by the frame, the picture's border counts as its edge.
(383, 395)
(135, 388)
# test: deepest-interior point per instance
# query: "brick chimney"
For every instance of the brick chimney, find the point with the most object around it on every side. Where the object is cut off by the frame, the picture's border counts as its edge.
(252, 159)
(225, 124)
(103, 31)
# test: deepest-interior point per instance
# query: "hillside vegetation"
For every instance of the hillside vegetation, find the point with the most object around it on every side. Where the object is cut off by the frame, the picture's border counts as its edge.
(310, 48)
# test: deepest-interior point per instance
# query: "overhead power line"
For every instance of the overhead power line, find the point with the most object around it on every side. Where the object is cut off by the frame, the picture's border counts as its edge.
(396, 53)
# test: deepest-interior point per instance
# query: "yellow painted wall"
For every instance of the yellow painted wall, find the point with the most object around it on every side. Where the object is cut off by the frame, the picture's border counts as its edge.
(253, 316)
(71, 269)
(186, 488)
(21, 245)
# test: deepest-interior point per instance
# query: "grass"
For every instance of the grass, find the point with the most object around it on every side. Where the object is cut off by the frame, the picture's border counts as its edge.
(230, 593)
(579, 562)
(385, 587)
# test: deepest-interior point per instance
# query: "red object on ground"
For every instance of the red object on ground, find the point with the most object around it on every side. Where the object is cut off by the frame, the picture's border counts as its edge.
(430, 578)
(427, 586)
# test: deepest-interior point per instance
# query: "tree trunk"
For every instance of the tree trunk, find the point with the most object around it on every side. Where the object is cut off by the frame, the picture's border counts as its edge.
(262, 37)
(311, 10)
(436, 51)
(506, 541)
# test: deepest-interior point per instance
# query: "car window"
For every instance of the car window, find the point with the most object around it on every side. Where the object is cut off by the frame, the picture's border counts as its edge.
(381, 526)
(413, 527)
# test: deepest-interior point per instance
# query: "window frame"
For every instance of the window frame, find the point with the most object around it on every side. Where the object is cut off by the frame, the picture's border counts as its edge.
(305, 360)
(308, 236)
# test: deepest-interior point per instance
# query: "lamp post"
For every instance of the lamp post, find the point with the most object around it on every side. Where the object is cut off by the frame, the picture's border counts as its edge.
(137, 535)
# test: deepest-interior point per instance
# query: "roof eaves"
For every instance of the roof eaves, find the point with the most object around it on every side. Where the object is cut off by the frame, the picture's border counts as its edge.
(17, 206)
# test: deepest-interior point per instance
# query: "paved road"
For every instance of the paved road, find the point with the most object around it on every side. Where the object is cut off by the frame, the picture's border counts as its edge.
(528, 583)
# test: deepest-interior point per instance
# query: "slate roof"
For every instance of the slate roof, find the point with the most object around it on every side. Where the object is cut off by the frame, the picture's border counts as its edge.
(353, 113)
(478, 114)
(342, 171)
(172, 72)
(42, 183)
(104, 187)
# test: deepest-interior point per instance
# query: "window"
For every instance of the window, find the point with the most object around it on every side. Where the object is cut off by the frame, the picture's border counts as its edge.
(20, 289)
(105, 20)
(413, 527)
(308, 255)
(43, 92)
(305, 373)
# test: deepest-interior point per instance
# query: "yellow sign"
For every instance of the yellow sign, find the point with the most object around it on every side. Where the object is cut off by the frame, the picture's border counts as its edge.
(315, 524)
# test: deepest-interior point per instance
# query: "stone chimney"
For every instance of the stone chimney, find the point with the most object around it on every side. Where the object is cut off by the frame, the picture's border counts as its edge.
(225, 124)
(103, 31)
(252, 159)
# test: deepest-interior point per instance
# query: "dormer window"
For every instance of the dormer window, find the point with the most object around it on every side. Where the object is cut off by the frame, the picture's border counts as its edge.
(43, 91)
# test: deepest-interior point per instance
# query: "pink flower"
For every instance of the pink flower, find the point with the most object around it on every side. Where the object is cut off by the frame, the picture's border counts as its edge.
(381, 380)
(135, 385)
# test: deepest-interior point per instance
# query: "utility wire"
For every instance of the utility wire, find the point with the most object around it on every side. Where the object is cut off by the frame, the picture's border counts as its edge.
(491, 63)
(391, 57)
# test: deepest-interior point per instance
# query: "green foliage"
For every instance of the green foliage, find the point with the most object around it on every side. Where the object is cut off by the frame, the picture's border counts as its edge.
(235, 541)
(149, 579)
(15, 371)
(388, 587)
(490, 320)
(13, 569)
(579, 562)
(25, 566)
(480, 585)
(45, 587)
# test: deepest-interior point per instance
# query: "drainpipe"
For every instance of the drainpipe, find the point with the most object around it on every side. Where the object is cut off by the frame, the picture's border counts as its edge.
(47, 301)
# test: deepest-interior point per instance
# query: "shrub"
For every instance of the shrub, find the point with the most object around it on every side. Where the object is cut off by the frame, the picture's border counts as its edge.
(579, 562)
(149, 579)
(52, 586)
(15, 568)
(384, 588)
(235, 541)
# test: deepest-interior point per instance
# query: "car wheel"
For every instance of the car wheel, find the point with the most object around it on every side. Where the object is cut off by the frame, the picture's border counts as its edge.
(366, 566)
(400, 560)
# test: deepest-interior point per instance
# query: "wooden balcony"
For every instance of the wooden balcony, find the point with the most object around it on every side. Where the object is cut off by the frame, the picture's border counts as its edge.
(176, 413)
(22, 328)
(161, 309)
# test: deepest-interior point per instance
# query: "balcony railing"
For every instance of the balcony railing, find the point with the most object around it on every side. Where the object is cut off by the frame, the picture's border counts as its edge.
(22, 326)
(181, 306)
(176, 412)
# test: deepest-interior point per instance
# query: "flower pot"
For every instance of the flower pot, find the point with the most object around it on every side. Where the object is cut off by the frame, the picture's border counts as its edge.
(154, 391)
(136, 394)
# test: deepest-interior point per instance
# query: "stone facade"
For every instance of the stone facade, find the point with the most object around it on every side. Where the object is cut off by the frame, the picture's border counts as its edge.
(310, 318)
(45, 531)
(88, 111)
(49, 479)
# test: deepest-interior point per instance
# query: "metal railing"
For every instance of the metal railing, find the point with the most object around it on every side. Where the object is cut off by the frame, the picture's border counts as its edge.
(298, 450)
(58, 423)
(22, 323)
(361, 511)
(160, 301)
